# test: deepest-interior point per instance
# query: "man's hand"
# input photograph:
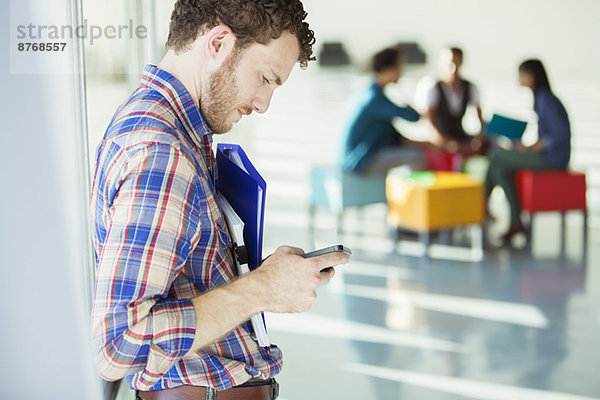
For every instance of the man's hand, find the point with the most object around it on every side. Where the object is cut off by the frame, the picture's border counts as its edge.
(290, 281)
(476, 143)
(451, 146)
(285, 283)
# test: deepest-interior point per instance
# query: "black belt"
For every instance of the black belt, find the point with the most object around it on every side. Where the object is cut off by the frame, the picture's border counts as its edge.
(252, 390)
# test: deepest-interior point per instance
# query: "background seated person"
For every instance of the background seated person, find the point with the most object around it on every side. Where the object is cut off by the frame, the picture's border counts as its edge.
(447, 103)
(371, 145)
(551, 151)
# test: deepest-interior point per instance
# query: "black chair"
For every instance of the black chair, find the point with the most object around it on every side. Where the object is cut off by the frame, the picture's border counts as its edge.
(333, 54)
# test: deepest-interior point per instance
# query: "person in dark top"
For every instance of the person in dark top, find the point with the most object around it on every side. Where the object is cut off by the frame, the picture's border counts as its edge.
(552, 150)
(371, 144)
(447, 103)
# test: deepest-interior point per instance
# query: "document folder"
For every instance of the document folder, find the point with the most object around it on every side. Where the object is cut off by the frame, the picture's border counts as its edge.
(246, 191)
(242, 195)
(505, 126)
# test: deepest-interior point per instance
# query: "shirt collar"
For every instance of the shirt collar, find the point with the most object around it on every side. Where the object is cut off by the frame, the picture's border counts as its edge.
(181, 101)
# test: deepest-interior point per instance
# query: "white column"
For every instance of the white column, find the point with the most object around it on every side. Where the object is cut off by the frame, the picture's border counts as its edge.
(45, 261)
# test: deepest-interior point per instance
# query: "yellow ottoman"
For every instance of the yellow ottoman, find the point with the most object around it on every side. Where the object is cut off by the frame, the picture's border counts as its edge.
(434, 201)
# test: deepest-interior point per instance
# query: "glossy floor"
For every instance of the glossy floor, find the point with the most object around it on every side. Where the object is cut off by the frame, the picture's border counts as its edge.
(517, 325)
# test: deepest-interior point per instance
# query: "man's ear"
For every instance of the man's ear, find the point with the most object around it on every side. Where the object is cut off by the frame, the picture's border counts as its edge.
(220, 41)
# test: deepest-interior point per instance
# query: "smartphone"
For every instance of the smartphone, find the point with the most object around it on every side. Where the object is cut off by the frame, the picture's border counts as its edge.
(327, 250)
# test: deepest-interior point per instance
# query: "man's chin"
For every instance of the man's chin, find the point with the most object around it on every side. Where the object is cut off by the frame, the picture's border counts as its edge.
(220, 129)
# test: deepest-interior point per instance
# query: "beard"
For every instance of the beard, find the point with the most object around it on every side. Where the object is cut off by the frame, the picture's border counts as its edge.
(219, 99)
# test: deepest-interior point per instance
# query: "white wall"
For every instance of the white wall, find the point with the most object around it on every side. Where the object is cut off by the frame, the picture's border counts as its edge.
(44, 242)
(495, 34)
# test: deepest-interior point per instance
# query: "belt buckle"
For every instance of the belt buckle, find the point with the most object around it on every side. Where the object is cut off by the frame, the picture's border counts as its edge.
(275, 389)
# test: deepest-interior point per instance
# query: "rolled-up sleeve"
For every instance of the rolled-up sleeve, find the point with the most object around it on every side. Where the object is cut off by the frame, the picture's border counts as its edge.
(152, 224)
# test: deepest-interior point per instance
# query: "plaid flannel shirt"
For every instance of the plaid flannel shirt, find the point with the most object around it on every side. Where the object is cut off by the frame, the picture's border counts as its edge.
(160, 240)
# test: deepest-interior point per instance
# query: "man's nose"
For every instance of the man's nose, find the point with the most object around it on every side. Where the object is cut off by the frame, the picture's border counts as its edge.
(262, 100)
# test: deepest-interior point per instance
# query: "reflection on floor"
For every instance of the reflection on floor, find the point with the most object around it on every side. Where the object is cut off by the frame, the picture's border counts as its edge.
(520, 324)
(514, 326)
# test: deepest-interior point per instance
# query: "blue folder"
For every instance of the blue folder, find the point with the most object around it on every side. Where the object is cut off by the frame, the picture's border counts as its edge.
(246, 191)
(505, 126)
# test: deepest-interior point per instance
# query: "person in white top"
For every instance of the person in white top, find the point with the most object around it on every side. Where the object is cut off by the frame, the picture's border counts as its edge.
(447, 103)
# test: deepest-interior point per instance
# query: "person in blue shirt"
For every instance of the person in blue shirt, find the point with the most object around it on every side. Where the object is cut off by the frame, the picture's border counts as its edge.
(552, 150)
(371, 145)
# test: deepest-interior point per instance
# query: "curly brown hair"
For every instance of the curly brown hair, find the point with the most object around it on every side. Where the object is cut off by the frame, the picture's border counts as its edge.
(250, 20)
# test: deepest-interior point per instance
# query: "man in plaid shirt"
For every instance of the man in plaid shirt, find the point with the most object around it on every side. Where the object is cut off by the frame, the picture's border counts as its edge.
(169, 313)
